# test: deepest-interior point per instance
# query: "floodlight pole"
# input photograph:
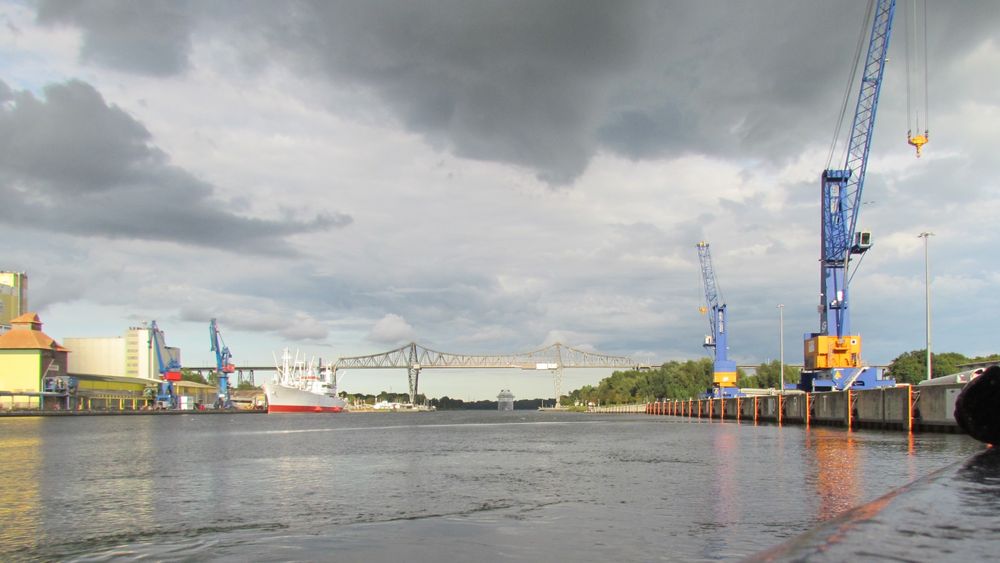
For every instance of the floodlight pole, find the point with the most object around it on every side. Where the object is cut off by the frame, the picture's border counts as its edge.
(927, 298)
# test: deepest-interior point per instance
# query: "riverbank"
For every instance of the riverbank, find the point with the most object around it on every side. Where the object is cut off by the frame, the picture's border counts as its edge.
(63, 413)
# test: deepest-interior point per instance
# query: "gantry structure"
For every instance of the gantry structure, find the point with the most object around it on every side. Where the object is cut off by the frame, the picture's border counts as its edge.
(414, 358)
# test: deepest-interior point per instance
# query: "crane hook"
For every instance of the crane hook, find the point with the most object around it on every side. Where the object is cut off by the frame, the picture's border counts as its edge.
(918, 141)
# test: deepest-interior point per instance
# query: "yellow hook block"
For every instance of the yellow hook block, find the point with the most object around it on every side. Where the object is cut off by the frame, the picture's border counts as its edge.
(918, 141)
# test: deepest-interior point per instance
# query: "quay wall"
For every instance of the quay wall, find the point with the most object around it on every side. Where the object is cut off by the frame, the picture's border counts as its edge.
(904, 407)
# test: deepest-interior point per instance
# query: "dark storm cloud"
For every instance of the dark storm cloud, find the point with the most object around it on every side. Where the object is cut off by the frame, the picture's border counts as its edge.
(71, 163)
(547, 84)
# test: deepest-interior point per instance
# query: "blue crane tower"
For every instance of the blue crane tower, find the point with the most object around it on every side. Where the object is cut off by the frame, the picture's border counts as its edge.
(833, 355)
(223, 366)
(724, 369)
(167, 365)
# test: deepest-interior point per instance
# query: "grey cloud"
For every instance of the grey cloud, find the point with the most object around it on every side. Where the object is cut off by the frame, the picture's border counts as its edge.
(73, 138)
(151, 37)
(545, 85)
(71, 163)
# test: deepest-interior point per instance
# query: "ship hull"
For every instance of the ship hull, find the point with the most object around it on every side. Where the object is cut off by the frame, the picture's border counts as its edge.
(301, 408)
(282, 399)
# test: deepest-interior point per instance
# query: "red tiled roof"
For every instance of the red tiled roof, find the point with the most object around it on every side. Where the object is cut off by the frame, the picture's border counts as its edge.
(26, 318)
(21, 338)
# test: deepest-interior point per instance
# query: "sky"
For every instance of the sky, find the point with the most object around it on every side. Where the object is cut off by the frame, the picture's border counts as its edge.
(342, 178)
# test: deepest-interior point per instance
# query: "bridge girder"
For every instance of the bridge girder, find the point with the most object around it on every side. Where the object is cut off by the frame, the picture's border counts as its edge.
(414, 357)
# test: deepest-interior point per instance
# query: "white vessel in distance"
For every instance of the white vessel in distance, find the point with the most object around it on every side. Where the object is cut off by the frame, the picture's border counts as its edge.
(301, 387)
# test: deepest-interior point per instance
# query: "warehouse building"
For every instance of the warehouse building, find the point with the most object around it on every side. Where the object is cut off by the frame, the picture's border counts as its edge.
(122, 372)
(117, 373)
(32, 367)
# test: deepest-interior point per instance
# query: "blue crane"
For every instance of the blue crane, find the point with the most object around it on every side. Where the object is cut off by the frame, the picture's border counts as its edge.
(223, 366)
(724, 369)
(833, 355)
(167, 365)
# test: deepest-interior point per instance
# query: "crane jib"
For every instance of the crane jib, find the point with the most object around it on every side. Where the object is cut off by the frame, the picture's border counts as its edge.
(832, 356)
(842, 188)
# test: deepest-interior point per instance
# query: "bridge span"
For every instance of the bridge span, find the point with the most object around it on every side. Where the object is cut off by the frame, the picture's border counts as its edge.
(414, 358)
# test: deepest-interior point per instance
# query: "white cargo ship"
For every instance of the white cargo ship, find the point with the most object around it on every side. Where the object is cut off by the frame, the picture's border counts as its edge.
(301, 387)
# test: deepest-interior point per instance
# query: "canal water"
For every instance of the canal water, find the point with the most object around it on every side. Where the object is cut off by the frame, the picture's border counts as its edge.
(464, 485)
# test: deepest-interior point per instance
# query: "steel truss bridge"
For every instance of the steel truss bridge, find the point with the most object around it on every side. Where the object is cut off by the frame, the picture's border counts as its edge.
(414, 358)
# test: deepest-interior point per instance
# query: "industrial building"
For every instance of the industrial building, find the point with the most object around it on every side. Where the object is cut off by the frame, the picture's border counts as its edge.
(32, 365)
(13, 297)
(130, 355)
(122, 372)
(116, 373)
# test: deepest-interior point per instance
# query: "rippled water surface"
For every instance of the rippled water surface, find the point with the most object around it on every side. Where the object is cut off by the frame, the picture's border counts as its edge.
(435, 486)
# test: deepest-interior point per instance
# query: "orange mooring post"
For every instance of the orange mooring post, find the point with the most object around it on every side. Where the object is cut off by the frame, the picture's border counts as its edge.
(909, 409)
(808, 406)
(755, 409)
(781, 407)
(737, 409)
(850, 409)
(699, 408)
(722, 409)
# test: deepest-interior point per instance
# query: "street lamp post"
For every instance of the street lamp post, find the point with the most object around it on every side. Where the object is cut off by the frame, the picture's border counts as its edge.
(927, 298)
(781, 347)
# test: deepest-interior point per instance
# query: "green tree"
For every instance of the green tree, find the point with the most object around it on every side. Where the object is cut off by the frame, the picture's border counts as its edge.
(193, 376)
(911, 367)
(672, 380)
(767, 376)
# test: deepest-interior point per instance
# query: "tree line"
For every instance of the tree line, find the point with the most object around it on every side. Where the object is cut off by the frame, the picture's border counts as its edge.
(213, 379)
(689, 379)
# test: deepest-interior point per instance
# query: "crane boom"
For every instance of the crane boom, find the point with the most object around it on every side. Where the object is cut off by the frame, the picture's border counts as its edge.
(724, 369)
(223, 365)
(167, 365)
(833, 355)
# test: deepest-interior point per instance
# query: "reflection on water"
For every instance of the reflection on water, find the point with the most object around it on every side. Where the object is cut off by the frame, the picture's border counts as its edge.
(980, 484)
(838, 470)
(20, 469)
(433, 486)
(948, 515)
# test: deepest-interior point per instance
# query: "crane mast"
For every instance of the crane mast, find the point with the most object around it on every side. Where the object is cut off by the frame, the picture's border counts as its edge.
(223, 365)
(723, 369)
(168, 367)
(833, 355)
